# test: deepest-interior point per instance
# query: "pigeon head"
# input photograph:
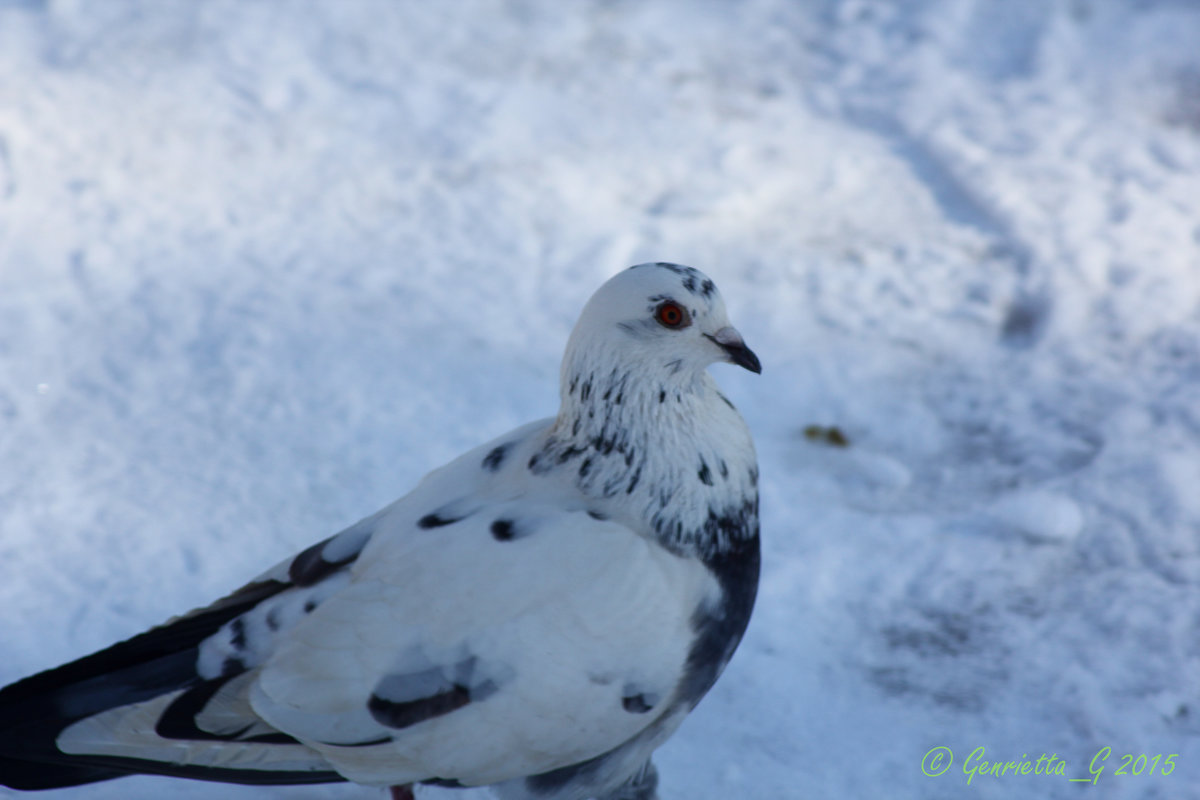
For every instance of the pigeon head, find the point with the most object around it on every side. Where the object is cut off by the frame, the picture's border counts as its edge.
(643, 430)
(665, 318)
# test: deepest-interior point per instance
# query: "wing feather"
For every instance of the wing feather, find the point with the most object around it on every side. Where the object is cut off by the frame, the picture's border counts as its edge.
(468, 656)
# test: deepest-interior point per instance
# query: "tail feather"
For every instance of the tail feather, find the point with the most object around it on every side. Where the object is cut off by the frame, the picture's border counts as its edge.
(30, 776)
(35, 711)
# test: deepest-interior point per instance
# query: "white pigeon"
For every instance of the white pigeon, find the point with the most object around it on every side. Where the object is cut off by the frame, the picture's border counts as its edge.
(538, 615)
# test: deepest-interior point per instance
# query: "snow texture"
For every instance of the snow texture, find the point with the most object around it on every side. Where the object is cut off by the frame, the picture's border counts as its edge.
(264, 264)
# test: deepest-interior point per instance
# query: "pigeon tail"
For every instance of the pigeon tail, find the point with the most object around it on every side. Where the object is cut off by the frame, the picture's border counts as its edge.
(35, 711)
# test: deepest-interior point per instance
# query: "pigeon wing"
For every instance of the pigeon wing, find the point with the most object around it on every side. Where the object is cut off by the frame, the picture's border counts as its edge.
(510, 639)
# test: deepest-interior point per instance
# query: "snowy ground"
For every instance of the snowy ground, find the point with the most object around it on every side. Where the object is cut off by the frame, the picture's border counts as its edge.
(263, 264)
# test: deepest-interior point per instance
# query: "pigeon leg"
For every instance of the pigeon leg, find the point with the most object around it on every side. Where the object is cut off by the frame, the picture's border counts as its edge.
(404, 792)
(641, 786)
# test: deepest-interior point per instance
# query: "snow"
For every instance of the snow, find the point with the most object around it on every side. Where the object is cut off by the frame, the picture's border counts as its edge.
(264, 264)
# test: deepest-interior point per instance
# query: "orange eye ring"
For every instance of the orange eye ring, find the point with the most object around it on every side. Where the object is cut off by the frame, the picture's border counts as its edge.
(672, 315)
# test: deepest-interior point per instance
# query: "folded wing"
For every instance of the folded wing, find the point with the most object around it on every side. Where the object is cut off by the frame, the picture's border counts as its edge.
(515, 640)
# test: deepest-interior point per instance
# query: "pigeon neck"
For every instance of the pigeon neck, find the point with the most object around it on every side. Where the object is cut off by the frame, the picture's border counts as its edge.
(671, 459)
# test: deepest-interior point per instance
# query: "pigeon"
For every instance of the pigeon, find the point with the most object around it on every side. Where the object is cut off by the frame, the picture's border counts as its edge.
(536, 616)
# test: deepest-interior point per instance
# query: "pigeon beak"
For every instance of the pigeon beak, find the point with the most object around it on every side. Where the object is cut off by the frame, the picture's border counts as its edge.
(729, 340)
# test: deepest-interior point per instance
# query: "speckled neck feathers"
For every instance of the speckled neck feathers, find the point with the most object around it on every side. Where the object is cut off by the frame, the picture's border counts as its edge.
(647, 437)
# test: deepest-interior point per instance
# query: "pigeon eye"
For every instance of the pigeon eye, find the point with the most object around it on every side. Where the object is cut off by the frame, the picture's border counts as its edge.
(672, 315)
